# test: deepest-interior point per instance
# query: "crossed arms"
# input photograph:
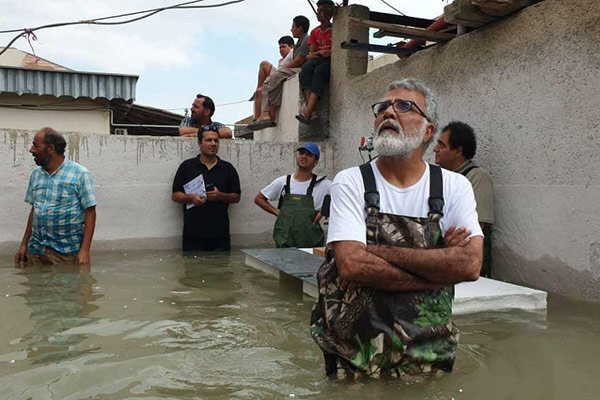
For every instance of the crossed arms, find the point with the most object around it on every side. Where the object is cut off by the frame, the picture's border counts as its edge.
(405, 269)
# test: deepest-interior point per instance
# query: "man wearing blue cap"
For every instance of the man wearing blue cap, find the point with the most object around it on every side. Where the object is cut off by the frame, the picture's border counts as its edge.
(300, 197)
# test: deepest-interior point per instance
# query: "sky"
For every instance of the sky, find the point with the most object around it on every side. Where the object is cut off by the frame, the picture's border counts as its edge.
(176, 53)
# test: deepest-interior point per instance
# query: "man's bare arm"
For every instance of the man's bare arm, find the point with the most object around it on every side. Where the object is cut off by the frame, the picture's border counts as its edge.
(188, 131)
(296, 62)
(224, 133)
(262, 201)
(21, 255)
(89, 225)
(440, 266)
(356, 264)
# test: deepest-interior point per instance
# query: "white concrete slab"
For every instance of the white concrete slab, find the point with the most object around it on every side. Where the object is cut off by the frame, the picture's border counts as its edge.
(470, 297)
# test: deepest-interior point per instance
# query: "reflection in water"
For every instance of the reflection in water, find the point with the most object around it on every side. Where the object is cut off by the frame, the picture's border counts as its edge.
(59, 298)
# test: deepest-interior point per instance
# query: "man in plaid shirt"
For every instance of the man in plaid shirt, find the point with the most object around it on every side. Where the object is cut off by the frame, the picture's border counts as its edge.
(63, 206)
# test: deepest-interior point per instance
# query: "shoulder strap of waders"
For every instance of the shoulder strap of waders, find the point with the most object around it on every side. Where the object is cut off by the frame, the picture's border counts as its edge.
(371, 193)
(313, 183)
(436, 190)
(285, 191)
(466, 171)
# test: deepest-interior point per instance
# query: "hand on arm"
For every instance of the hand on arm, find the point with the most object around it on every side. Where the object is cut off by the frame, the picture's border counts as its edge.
(188, 131)
(356, 265)
(182, 198)
(262, 201)
(89, 225)
(441, 266)
(313, 52)
(225, 133)
(216, 195)
(296, 62)
(21, 255)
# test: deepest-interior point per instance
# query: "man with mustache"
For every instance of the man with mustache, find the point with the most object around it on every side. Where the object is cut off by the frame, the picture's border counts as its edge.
(394, 251)
(63, 206)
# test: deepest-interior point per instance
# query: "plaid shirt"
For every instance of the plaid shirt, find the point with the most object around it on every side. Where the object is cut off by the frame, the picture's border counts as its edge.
(188, 122)
(58, 202)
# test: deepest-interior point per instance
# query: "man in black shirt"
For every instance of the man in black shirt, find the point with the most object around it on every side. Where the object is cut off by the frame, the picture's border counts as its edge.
(206, 223)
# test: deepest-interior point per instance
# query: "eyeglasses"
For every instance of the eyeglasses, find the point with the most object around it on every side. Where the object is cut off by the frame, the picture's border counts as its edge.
(400, 106)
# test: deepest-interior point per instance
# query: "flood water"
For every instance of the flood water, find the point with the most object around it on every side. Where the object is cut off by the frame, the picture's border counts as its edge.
(155, 325)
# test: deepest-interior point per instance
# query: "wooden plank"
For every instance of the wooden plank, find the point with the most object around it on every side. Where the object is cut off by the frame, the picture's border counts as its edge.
(412, 33)
(400, 19)
(378, 48)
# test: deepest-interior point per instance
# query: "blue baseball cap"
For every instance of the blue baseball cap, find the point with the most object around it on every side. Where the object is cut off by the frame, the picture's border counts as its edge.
(312, 148)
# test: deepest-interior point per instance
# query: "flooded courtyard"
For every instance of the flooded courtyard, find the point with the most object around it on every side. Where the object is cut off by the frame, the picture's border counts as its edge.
(205, 326)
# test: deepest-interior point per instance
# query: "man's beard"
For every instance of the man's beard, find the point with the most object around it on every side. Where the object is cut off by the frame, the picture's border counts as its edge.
(389, 144)
(42, 160)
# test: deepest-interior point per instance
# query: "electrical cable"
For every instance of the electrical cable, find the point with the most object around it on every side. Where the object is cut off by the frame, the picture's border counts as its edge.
(311, 6)
(393, 8)
(27, 32)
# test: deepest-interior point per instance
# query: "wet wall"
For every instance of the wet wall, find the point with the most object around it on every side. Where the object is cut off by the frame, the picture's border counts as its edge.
(530, 86)
(133, 175)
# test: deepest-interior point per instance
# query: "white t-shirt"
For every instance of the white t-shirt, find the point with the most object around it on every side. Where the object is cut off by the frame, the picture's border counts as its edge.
(321, 189)
(347, 214)
(282, 61)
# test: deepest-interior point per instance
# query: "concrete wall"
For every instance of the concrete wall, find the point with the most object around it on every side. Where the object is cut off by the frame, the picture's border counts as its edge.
(288, 128)
(529, 84)
(134, 177)
(81, 115)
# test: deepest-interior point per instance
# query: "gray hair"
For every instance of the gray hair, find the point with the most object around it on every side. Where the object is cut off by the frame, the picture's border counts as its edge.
(52, 137)
(417, 85)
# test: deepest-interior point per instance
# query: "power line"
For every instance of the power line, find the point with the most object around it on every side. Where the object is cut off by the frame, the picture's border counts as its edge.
(392, 7)
(28, 32)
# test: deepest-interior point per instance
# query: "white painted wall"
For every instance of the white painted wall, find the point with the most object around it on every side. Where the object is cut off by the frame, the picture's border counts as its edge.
(134, 177)
(530, 86)
(64, 115)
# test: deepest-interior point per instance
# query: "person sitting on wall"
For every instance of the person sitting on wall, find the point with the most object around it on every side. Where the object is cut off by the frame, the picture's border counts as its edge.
(202, 110)
(314, 76)
(300, 197)
(273, 87)
(266, 69)
(387, 283)
(206, 218)
(454, 150)
(63, 206)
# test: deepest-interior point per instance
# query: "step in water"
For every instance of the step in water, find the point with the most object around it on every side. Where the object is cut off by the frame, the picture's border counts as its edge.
(298, 268)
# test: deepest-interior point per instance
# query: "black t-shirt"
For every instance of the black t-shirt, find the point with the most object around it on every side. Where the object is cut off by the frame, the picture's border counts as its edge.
(210, 220)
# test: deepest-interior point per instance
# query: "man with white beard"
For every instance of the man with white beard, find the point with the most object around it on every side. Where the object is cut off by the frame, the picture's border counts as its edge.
(401, 234)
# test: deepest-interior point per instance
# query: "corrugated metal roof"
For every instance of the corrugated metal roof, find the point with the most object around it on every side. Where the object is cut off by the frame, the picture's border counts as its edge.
(67, 83)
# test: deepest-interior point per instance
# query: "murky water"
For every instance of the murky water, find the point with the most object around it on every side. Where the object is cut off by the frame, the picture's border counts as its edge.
(155, 325)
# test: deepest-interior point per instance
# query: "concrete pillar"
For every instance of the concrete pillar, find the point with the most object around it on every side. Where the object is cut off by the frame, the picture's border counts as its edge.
(349, 62)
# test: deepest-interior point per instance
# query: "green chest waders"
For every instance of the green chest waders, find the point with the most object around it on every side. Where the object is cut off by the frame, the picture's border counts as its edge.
(294, 226)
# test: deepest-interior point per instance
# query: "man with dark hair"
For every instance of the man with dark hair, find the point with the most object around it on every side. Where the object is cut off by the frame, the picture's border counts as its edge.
(301, 197)
(205, 217)
(273, 88)
(394, 253)
(314, 76)
(265, 70)
(454, 150)
(63, 206)
(202, 110)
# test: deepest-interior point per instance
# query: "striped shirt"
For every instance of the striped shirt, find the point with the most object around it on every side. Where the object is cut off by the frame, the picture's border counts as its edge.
(58, 202)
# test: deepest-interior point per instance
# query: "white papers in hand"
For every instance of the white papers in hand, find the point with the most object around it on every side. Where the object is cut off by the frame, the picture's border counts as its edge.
(195, 186)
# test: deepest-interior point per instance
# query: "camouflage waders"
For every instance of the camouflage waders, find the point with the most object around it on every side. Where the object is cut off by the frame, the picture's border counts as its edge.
(294, 226)
(367, 331)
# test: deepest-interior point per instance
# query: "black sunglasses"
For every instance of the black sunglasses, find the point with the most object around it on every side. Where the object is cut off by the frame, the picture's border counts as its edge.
(399, 105)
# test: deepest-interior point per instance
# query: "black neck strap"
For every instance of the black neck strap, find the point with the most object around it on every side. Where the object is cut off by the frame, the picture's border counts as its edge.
(436, 193)
(436, 190)
(466, 171)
